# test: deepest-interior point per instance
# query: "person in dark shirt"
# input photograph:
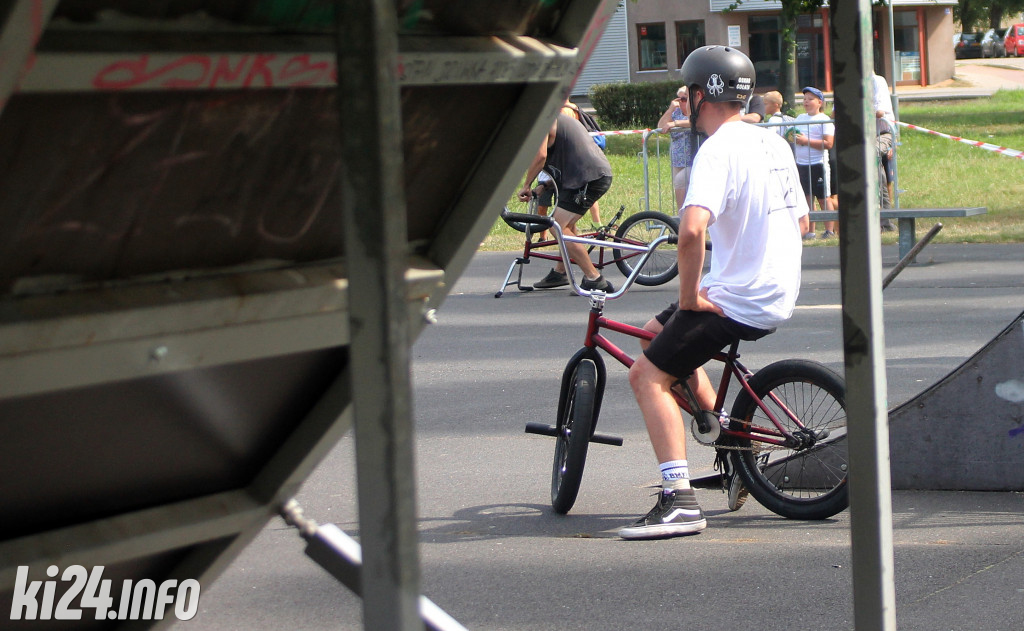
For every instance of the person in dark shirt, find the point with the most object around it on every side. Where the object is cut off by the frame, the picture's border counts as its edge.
(583, 175)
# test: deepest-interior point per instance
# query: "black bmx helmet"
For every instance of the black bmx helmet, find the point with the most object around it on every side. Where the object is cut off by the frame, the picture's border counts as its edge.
(721, 73)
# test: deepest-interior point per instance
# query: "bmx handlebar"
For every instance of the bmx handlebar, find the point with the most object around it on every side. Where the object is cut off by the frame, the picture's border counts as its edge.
(548, 223)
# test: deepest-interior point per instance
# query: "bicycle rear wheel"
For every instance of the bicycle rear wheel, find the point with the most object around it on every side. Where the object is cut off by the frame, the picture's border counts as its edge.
(641, 229)
(575, 425)
(804, 483)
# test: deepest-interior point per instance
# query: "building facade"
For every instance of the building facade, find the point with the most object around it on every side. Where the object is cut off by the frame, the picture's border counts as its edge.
(660, 33)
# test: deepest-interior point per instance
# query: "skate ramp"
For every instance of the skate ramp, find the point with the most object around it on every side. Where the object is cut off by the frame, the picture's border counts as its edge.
(966, 432)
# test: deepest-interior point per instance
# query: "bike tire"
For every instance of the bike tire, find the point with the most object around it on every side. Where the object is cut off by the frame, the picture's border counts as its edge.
(513, 205)
(575, 427)
(798, 484)
(642, 228)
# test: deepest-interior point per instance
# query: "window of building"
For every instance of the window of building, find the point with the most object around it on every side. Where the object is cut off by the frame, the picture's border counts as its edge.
(689, 37)
(907, 38)
(652, 46)
(766, 49)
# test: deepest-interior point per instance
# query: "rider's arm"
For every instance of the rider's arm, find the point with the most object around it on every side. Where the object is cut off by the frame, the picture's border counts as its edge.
(538, 163)
(693, 226)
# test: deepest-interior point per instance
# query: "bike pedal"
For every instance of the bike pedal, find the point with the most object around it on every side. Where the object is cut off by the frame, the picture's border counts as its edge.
(605, 439)
(541, 429)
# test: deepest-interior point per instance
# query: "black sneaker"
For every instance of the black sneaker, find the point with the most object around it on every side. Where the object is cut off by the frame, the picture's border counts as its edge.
(553, 279)
(737, 493)
(676, 513)
(887, 226)
(598, 284)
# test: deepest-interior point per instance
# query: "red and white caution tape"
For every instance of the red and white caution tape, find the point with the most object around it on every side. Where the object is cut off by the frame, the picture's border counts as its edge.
(1012, 153)
(623, 132)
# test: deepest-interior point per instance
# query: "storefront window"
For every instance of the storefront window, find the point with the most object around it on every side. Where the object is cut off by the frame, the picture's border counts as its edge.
(906, 38)
(765, 49)
(652, 46)
(689, 37)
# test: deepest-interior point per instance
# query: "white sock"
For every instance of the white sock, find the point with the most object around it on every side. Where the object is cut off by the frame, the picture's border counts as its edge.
(675, 474)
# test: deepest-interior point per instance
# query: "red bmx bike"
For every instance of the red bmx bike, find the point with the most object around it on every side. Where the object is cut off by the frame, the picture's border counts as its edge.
(784, 436)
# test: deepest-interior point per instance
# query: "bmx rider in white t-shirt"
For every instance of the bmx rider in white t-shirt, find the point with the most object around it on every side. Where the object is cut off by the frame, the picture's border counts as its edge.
(745, 192)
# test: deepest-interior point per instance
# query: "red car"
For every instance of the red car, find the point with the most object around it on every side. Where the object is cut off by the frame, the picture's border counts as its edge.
(1014, 42)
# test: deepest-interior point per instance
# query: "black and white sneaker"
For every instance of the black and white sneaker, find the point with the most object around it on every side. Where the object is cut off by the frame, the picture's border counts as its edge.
(676, 513)
(598, 284)
(553, 279)
(737, 493)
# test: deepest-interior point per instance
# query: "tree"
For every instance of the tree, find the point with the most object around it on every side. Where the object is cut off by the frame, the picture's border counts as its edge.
(791, 10)
(998, 8)
(967, 12)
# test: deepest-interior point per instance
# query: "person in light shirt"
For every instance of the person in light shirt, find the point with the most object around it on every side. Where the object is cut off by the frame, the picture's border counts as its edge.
(744, 192)
(812, 144)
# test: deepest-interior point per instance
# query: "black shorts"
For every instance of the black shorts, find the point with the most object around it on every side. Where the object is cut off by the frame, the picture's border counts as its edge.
(579, 200)
(812, 179)
(691, 338)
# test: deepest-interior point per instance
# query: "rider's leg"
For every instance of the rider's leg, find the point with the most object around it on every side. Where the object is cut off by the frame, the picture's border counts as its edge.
(652, 388)
(577, 251)
(699, 383)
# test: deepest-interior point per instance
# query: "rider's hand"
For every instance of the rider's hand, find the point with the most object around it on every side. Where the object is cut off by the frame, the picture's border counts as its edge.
(702, 303)
(524, 194)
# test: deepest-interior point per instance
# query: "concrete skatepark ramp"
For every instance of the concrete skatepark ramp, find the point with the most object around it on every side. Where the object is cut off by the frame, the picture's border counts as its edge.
(966, 432)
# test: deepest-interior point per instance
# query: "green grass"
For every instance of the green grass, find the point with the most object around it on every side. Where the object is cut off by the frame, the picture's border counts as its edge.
(933, 171)
(938, 172)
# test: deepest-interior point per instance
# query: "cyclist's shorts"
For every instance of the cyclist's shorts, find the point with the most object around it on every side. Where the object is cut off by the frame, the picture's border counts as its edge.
(691, 338)
(579, 200)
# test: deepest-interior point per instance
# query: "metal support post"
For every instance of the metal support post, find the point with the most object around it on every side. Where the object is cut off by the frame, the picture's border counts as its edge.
(374, 212)
(863, 338)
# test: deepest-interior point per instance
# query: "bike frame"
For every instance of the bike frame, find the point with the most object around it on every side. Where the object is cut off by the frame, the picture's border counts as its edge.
(733, 368)
(603, 233)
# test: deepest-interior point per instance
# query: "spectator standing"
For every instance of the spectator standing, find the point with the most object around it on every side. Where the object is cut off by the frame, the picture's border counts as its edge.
(676, 120)
(773, 110)
(812, 142)
(885, 118)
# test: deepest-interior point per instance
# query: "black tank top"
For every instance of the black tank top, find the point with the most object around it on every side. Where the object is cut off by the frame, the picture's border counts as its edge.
(575, 155)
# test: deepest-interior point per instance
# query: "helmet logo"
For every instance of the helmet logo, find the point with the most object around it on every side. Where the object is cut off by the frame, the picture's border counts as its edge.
(715, 85)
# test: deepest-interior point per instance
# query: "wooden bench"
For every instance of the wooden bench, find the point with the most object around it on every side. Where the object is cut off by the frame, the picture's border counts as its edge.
(906, 218)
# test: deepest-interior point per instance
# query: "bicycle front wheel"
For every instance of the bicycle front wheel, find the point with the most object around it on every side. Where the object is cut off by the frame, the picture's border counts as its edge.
(575, 425)
(641, 229)
(808, 482)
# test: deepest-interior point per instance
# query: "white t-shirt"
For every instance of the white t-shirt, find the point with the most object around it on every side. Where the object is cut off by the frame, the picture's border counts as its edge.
(804, 153)
(745, 176)
(882, 100)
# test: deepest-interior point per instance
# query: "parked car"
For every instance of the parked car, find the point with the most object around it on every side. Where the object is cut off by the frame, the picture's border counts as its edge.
(967, 45)
(1013, 44)
(992, 43)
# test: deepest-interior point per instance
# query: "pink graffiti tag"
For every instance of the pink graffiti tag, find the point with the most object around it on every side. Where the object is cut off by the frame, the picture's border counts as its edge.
(206, 71)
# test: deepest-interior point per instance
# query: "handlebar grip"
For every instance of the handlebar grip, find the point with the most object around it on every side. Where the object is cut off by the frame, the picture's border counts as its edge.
(538, 220)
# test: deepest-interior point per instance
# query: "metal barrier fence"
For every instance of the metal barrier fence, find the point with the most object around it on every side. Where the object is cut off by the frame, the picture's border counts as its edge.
(655, 156)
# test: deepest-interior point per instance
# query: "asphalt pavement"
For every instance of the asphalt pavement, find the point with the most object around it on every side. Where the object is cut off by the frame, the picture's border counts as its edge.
(495, 556)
